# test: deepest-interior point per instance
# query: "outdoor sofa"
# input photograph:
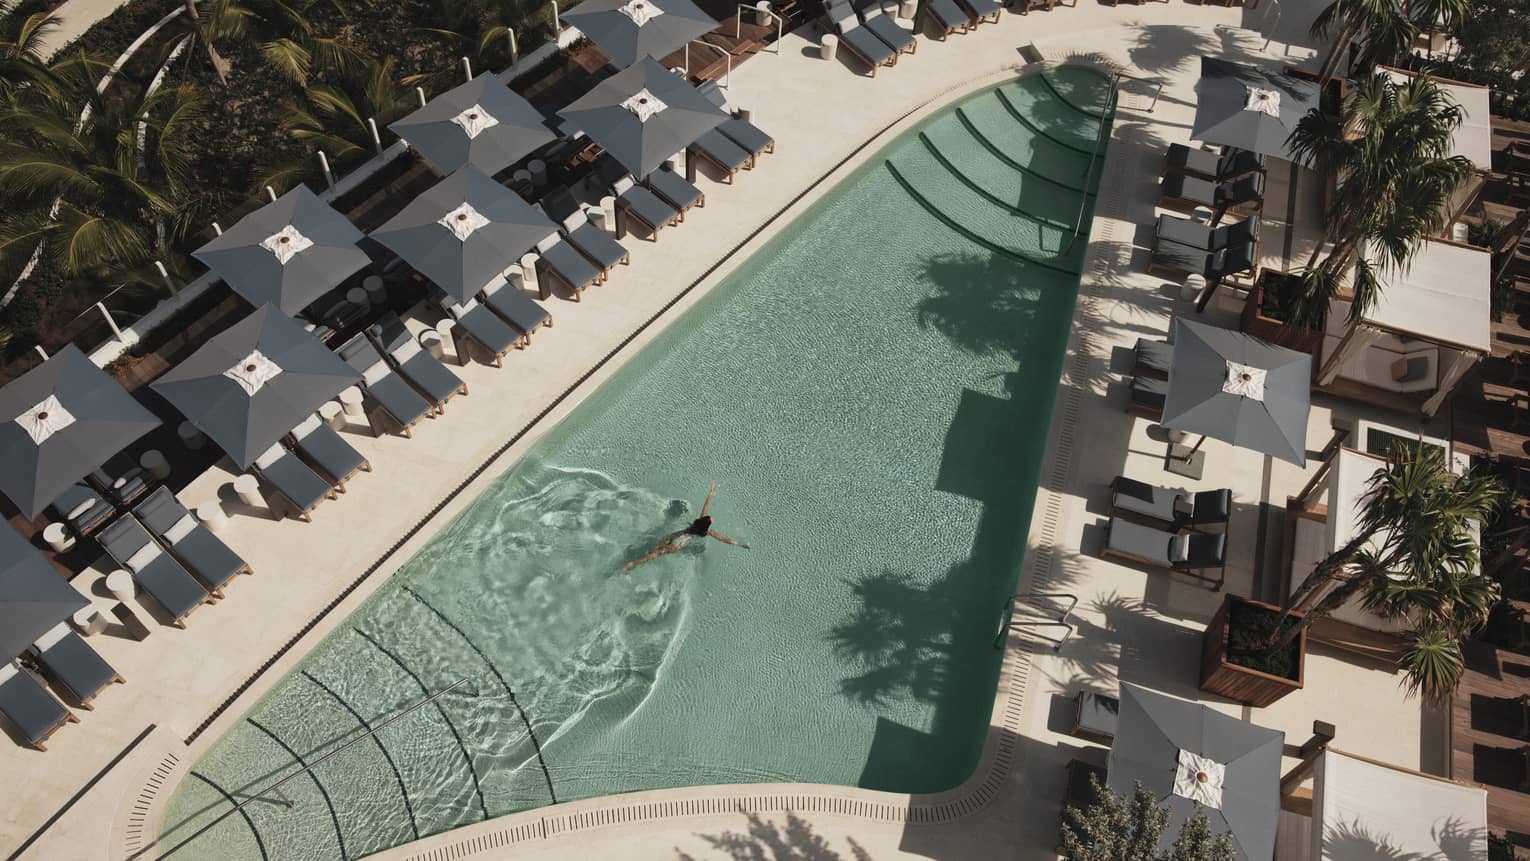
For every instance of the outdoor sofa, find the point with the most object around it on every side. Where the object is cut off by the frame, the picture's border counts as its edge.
(156, 572)
(35, 713)
(72, 665)
(203, 553)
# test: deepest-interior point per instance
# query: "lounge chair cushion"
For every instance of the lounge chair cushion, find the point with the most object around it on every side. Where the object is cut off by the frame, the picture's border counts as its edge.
(1154, 355)
(52, 637)
(72, 663)
(1183, 231)
(1204, 551)
(28, 704)
(1095, 714)
(1232, 260)
(862, 42)
(294, 480)
(270, 456)
(375, 374)
(1211, 506)
(426, 371)
(717, 148)
(306, 426)
(1245, 190)
(883, 27)
(1183, 258)
(486, 328)
(331, 452)
(746, 135)
(982, 8)
(1147, 500)
(569, 264)
(182, 528)
(518, 308)
(141, 559)
(647, 207)
(1149, 392)
(598, 245)
(947, 13)
(172, 586)
(674, 188)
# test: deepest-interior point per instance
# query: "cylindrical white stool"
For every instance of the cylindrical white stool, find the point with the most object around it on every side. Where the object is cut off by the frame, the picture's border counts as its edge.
(154, 461)
(248, 491)
(597, 217)
(828, 46)
(58, 537)
(432, 343)
(350, 401)
(330, 413)
(762, 13)
(908, 9)
(358, 296)
(522, 175)
(377, 291)
(529, 268)
(1194, 284)
(191, 438)
(211, 515)
(88, 621)
(608, 209)
(538, 170)
(516, 276)
(120, 584)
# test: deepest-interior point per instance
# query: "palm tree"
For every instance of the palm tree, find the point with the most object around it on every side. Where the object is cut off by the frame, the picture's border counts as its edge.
(22, 64)
(1386, 28)
(333, 117)
(283, 34)
(1391, 154)
(1413, 556)
(482, 27)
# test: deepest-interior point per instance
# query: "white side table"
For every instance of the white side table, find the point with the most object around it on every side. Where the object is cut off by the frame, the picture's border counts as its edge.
(1194, 284)
(907, 9)
(212, 516)
(248, 491)
(350, 402)
(377, 291)
(154, 461)
(433, 343)
(330, 413)
(58, 537)
(597, 216)
(88, 620)
(522, 175)
(120, 584)
(358, 296)
(191, 438)
(538, 170)
(828, 46)
(529, 268)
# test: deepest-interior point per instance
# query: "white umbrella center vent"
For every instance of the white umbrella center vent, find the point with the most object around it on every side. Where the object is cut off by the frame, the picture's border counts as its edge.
(1264, 101)
(644, 104)
(463, 220)
(286, 243)
(1199, 779)
(44, 420)
(640, 11)
(474, 121)
(1244, 381)
(253, 371)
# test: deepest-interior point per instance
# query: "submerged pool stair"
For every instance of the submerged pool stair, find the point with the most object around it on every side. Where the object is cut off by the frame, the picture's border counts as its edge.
(1014, 169)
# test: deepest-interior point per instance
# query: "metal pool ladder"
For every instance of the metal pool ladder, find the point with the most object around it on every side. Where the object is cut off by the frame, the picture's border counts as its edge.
(1101, 137)
(1008, 622)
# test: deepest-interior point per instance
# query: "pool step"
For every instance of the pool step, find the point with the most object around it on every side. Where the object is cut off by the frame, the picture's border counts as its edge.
(1031, 193)
(1021, 145)
(1032, 103)
(1084, 89)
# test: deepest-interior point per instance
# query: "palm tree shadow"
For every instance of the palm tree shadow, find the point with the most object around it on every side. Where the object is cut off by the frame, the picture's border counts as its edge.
(986, 303)
(769, 841)
(900, 635)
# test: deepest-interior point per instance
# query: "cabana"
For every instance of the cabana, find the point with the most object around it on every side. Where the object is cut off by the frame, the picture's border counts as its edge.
(1429, 325)
(1473, 139)
(1363, 810)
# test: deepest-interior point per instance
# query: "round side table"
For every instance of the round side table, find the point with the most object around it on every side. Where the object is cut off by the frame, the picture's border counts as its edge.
(350, 402)
(248, 491)
(88, 621)
(212, 516)
(191, 438)
(58, 537)
(120, 584)
(154, 461)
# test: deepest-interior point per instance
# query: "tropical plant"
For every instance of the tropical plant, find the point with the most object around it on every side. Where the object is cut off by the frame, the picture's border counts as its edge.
(284, 36)
(1496, 36)
(1118, 829)
(22, 61)
(333, 117)
(482, 28)
(1413, 556)
(1391, 155)
(1385, 29)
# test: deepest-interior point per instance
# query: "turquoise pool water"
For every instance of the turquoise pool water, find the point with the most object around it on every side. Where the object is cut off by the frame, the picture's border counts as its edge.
(871, 393)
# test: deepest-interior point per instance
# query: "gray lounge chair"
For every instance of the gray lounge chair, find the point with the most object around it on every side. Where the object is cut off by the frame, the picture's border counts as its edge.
(557, 257)
(82, 508)
(72, 665)
(1184, 231)
(741, 131)
(674, 190)
(428, 374)
(1152, 358)
(884, 28)
(1148, 396)
(121, 480)
(983, 11)
(596, 244)
(292, 480)
(1175, 508)
(1179, 261)
(35, 713)
(390, 394)
(1185, 190)
(636, 203)
(482, 327)
(202, 552)
(317, 443)
(1189, 553)
(156, 572)
(722, 153)
(1231, 163)
(855, 38)
(1094, 716)
(946, 17)
(518, 308)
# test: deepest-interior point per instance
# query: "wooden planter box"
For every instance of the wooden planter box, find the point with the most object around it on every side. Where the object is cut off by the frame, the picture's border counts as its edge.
(1254, 322)
(1235, 682)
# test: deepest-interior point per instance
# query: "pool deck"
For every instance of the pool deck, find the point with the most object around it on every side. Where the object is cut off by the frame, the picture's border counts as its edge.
(89, 789)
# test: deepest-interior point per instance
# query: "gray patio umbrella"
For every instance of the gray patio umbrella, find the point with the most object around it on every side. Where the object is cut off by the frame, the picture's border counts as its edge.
(642, 116)
(33, 597)
(255, 381)
(1239, 389)
(630, 30)
(482, 122)
(58, 422)
(287, 253)
(1192, 758)
(463, 231)
(1250, 108)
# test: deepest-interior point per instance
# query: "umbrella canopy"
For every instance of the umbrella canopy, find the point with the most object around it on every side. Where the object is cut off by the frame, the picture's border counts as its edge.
(482, 123)
(1250, 108)
(1194, 758)
(642, 116)
(33, 598)
(1238, 389)
(287, 253)
(464, 231)
(630, 30)
(255, 381)
(58, 422)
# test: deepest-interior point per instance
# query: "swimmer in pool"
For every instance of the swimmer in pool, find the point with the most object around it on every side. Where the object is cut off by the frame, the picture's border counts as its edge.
(701, 527)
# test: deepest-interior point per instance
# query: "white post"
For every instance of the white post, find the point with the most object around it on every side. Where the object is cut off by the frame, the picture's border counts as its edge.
(1460, 363)
(271, 192)
(515, 48)
(163, 273)
(110, 323)
(41, 351)
(467, 68)
(420, 91)
(376, 137)
(686, 73)
(324, 166)
(216, 229)
(557, 25)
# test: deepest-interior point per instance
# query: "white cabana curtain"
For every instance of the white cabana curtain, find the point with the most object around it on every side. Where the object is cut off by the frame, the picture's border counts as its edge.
(1356, 343)
(1460, 362)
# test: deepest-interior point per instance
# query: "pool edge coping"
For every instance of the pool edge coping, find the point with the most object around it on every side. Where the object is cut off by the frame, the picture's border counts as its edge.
(139, 814)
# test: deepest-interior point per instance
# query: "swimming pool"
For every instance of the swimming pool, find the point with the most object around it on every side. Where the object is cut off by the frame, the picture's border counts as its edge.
(871, 392)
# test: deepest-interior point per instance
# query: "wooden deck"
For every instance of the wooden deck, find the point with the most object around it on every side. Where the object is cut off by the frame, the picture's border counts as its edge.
(1488, 741)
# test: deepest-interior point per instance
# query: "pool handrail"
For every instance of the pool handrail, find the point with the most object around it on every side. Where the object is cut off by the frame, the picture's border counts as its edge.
(1101, 135)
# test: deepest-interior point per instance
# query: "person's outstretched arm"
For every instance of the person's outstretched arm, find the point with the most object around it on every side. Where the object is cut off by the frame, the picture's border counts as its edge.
(727, 540)
(708, 503)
